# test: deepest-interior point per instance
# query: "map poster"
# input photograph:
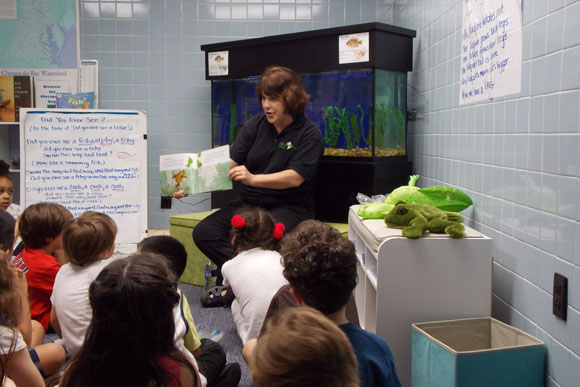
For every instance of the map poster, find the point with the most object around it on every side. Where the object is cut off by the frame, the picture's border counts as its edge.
(40, 39)
(193, 173)
(491, 49)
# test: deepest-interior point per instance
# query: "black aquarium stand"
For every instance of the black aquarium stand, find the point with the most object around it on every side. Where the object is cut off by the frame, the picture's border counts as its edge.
(339, 181)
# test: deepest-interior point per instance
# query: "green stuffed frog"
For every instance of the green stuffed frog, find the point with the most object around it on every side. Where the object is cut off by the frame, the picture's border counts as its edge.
(417, 218)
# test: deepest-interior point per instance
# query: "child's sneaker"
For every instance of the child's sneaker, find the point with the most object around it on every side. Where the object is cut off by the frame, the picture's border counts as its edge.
(216, 335)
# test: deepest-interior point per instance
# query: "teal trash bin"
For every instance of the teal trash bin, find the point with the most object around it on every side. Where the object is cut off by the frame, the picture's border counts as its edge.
(475, 352)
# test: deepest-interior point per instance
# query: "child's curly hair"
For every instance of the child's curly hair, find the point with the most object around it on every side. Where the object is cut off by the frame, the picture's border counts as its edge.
(320, 264)
(257, 231)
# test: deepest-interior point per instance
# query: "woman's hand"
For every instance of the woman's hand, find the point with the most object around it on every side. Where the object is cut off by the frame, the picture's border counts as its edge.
(241, 174)
(288, 178)
(179, 194)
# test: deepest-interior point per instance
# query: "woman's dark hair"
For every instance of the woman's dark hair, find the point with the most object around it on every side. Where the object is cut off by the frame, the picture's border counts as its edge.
(257, 232)
(132, 326)
(282, 82)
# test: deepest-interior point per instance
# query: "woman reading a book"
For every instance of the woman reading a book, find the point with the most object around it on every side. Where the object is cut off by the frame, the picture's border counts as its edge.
(275, 158)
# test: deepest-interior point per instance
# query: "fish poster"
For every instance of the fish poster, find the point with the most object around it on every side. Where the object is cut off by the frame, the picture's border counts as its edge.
(217, 63)
(353, 48)
(193, 173)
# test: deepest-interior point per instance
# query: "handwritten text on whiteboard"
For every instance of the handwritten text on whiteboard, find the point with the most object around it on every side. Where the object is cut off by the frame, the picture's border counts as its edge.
(86, 162)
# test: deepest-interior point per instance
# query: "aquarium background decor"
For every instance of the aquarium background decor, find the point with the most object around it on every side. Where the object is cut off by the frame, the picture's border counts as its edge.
(341, 105)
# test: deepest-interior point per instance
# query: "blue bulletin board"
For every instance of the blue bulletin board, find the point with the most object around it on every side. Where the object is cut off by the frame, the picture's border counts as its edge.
(87, 160)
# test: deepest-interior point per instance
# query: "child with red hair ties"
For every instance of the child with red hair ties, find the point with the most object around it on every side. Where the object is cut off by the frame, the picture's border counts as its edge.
(255, 273)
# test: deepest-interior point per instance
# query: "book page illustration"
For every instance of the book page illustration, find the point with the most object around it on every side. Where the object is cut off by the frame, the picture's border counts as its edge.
(192, 173)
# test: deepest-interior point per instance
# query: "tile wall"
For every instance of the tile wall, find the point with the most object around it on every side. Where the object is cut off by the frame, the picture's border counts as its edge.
(516, 156)
(150, 59)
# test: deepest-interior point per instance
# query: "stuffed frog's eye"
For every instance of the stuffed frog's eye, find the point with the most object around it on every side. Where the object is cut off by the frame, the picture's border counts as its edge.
(401, 211)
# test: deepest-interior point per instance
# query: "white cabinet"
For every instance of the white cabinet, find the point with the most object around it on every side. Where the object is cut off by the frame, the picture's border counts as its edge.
(402, 281)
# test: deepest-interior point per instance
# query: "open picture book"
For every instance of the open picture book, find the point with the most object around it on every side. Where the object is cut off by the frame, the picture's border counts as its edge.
(192, 173)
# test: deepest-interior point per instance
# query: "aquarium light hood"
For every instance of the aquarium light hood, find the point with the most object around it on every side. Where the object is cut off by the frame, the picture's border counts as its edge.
(390, 48)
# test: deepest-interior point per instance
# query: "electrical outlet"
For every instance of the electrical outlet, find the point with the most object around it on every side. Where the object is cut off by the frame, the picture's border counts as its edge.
(165, 201)
(560, 296)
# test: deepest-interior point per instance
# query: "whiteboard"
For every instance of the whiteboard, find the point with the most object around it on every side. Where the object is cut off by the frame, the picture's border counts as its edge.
(87, 160)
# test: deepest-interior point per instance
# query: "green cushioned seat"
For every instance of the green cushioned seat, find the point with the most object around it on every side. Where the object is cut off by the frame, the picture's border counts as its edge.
(181, 227)
(341, 227)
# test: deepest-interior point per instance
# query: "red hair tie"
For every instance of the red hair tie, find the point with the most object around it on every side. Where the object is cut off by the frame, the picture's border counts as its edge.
(238, 221)
(279, 230)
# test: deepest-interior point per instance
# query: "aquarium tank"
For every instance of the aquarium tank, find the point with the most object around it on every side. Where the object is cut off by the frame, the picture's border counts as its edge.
(359, 104)
(343, 104)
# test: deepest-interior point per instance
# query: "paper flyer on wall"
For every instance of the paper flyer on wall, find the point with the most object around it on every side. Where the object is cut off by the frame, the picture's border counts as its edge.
(192, 173)
(353, 48)
(218, 63)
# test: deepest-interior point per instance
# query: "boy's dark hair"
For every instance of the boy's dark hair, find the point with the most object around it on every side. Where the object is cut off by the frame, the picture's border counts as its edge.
(7, 224)
(320, 265)
(170, 248)
(85, 238)
(258, 231)
(282, 82)
(42, 221)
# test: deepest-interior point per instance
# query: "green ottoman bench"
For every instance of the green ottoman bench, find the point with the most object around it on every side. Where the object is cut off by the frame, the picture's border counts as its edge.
(181, 227)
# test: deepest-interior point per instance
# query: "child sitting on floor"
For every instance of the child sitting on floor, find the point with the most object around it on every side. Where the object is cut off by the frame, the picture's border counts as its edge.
(7, 191)
(207, 355)
(7, 233)
(41, 227)
(130, 341)
(6, 204)
(88, 242)
(15, 362)
(302, 348)
(321, 268)
(255, 274)
(15, 313)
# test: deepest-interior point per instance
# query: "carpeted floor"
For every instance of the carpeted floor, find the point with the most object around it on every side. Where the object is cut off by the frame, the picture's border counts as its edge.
(208, 319)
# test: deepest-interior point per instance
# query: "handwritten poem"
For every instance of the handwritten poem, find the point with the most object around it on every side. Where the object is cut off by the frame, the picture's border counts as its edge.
(86, 162)
(491, 49)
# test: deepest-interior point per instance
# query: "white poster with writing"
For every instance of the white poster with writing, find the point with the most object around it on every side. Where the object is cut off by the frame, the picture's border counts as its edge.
(95, 160)
(491, 49)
